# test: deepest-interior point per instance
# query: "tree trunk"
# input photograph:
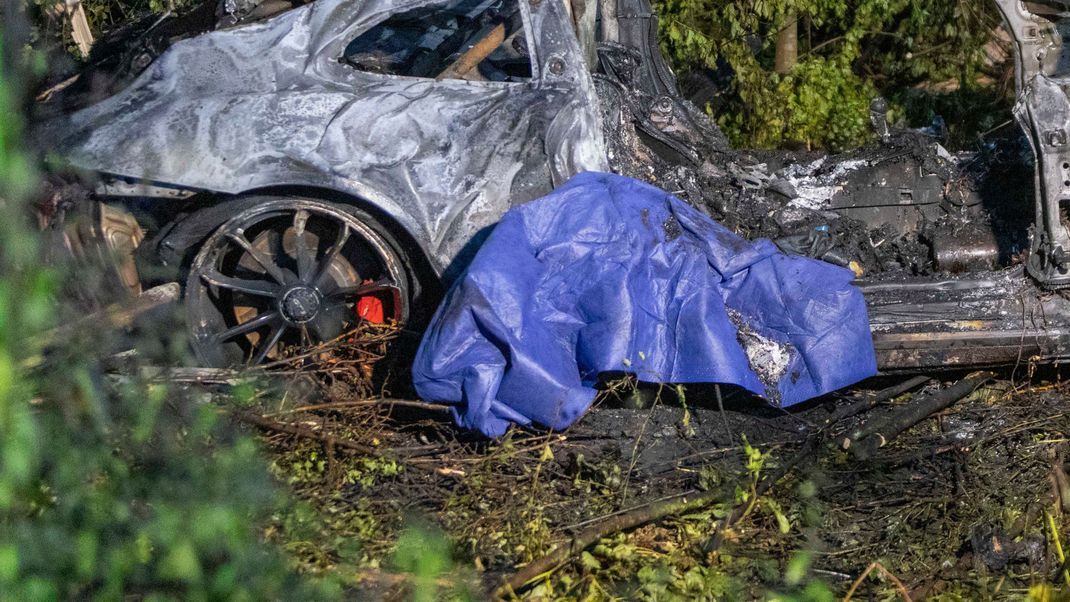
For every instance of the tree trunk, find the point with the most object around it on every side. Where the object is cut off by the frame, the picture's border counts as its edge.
(787, 44)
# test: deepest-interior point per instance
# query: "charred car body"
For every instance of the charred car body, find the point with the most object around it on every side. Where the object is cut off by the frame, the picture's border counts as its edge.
(306, 167)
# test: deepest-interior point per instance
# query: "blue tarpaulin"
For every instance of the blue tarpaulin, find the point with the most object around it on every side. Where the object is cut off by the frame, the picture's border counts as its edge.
(610, 274)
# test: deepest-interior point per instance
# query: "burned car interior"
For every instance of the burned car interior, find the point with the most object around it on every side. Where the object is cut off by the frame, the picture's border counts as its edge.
(447, 41)
(962, 257)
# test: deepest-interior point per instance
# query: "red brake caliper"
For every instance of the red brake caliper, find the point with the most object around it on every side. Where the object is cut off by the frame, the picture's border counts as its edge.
(370, 308)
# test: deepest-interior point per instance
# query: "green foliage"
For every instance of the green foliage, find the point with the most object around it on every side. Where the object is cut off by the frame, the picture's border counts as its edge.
(805, 588)
(107, 15)
(1046, 593)
(425, 555)
(51, 30)
(112, 487)
(848, 53)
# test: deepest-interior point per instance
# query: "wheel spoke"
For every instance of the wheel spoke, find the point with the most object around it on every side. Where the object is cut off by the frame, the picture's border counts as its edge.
(269, 343)
(330, 323)
(306, 256)
(261, 288)
(324, 271)
(246, 327)
(386, 284)
(265, 262)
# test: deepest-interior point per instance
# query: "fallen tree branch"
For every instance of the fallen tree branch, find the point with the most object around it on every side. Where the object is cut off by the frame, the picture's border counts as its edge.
(116, 316)
(879, 432)
(200, 376)
(870, 400)
(359, 403)
(661, 509)
(587, 537)
(1062, 488)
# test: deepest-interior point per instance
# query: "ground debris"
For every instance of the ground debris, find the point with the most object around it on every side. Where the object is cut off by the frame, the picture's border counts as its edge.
(953, 505)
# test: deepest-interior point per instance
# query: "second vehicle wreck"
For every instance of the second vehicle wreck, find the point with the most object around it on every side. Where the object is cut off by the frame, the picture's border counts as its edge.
(315, 165)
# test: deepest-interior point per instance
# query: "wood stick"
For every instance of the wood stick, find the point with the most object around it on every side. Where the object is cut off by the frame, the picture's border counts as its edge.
(123, 314)
(587, 537)
(358, 403)
(887, 428)
(119, 315)
(80, 31)
(199, 376)
(653, 511)
(1061, 483)
(475, 55)
(872, 398)
(876, 565)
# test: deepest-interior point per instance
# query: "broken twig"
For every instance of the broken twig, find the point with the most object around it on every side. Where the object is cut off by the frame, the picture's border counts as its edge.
(871, 399)
(385, 402)
(878, 433)
(880, 567)
(587, 537)
(1060, 482)
(640, 516)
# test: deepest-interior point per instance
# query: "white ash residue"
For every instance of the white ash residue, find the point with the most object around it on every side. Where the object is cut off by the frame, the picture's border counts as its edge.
(815, 188)
(768, 358)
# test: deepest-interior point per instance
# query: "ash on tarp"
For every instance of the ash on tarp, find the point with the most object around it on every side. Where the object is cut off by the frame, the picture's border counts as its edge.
(769, 359)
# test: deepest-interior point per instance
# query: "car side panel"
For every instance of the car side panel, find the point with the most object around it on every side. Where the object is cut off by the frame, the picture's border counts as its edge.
(269, 104)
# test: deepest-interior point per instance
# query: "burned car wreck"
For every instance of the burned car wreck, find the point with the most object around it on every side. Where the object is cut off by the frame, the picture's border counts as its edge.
(306, 166)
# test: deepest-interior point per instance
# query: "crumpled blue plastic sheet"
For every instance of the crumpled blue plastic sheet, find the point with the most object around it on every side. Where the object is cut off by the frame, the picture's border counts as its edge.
(611, 274)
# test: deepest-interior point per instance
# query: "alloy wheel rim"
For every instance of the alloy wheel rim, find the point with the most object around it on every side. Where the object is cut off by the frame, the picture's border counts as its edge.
(287, 274)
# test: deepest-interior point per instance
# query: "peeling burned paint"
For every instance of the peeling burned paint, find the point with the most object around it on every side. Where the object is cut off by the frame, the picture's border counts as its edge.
(271, 104)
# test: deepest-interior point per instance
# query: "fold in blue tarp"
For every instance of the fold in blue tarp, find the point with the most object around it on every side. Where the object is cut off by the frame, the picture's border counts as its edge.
(611, 274)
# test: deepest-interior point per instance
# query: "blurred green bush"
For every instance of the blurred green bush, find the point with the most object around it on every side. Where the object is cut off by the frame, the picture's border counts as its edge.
(112, 487)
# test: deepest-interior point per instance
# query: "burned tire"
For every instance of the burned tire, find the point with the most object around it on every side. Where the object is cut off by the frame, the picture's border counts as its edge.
(288, 274)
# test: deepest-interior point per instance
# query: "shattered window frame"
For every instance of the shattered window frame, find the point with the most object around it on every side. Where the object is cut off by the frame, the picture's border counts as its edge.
(526, 25)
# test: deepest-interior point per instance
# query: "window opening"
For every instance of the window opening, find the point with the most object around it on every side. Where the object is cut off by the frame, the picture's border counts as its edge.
(475, 40)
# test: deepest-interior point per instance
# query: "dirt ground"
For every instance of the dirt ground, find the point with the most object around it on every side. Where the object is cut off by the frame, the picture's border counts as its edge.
(685, 500)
